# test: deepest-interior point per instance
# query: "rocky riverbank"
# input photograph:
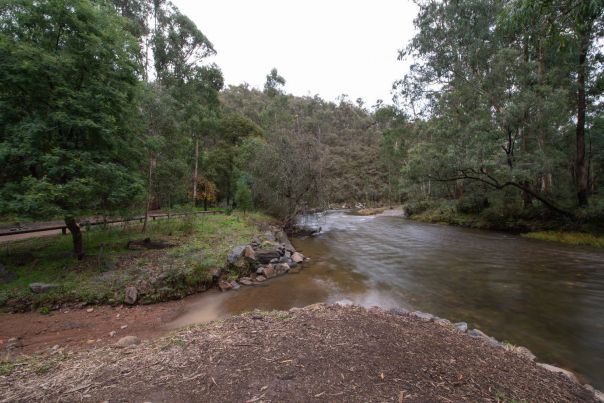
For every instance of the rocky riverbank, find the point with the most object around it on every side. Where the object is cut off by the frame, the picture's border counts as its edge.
(323, 353)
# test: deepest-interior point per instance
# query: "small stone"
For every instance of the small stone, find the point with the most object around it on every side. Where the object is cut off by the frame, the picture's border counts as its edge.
(131, 295)
(39, 288)
(260, 279)
(249, 253)
(127, 341)
(478, 334)
(443, 322)
(246, 281)
(562, 371)
(281, 268)
(112, 333)
(123, 327)
(294, 270)
(268, 271)
(90, 341)
(423, 315)
(399, 311)
(90, 310)
(235, 285)
(224, 285)
(297, 257)
(461, 326)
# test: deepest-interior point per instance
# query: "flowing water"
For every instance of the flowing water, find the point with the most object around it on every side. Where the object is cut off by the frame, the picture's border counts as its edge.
(548, 297)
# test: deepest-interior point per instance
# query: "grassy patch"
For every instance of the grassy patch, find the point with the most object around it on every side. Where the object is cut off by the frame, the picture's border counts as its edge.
(571, 238)
(203, 243)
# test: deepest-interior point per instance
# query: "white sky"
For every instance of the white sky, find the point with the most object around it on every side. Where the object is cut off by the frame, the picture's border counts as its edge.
(327, 47)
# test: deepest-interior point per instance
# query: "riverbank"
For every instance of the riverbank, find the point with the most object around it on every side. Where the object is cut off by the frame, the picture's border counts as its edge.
(171, 260)
(325, 353)
(547, 228)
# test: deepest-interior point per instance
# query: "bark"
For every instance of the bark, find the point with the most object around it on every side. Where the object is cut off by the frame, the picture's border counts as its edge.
(195, 171)
(76, 235)
(580, 165)
(148, 203)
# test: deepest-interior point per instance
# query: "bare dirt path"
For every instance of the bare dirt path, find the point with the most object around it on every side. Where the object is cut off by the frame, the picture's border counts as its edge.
(85, 328)
(317, 353)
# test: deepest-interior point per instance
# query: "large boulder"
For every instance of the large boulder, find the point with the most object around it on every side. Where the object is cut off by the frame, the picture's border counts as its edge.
(248, 252)
(39, 288)
(131, 295)
(235, 254)
(224, 285)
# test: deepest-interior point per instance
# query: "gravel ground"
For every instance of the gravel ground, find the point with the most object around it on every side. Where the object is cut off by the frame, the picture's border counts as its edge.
(319, 353)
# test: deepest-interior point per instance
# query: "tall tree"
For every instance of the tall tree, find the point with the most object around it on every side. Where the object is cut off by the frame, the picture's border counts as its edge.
(68, 78)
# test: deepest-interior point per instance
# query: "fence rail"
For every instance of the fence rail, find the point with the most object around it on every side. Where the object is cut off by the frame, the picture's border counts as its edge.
(63, 227)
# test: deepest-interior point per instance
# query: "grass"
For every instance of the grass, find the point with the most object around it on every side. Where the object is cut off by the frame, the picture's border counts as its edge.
(368, 211)
(571, 238)
(202, 246)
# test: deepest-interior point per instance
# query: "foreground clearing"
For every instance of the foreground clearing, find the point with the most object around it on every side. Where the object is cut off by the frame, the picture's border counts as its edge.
(318, 353)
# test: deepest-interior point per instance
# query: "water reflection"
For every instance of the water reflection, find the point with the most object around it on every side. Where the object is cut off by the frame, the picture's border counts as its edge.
(546, 296)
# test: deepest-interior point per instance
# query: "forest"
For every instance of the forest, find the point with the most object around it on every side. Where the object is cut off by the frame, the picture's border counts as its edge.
(111, 108)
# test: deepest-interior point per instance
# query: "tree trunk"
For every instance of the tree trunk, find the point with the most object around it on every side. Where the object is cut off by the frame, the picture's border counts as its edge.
(76, 235)
(148, 193)
(195, 171)
(581, 168)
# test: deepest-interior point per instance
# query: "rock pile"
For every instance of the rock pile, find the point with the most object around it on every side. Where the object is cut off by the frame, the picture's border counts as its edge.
(263, 260)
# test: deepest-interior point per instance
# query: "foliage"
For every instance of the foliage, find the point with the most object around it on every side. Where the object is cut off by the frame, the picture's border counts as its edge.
(243, 196)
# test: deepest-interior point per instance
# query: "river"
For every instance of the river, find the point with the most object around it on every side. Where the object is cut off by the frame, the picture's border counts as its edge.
(546, 296)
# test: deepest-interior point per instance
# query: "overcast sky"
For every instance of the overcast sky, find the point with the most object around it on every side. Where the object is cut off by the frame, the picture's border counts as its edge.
(325, 47)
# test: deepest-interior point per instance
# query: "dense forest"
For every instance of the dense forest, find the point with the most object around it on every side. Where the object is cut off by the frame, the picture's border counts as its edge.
(110, 107)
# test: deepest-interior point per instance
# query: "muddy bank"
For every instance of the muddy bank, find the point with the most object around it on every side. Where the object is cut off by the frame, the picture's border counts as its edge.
(325, 353)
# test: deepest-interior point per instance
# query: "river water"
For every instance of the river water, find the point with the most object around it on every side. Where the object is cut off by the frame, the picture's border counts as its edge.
(546, 296)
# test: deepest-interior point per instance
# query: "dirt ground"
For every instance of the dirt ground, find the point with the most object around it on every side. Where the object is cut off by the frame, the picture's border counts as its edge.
(319, 353)
(79, 329)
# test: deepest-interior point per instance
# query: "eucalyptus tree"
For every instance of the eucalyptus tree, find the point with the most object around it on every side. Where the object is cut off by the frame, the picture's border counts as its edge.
(68, 79)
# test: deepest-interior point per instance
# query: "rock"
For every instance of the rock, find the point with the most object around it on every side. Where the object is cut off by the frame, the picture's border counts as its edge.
(112, 333)
(6, 276)
(281, 268)
(39, 288)
(562, 371)
(297, 257)
(224, 285)
(266, 271)
(89, 310)
(294, 270)
(398, 311)
(443, 322)
(127, 341)
(461, 326)
(423, 315)
(131, 295)
(249, 253)
(123, 327)
(246, 281)
(265, 256)
(235, 254)
(478, 334)
(597, 394)
(260, 279)
(235, 285)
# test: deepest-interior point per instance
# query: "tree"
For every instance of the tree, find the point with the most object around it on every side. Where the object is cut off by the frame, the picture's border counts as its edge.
(243, 196)
(207, 191)
(274, 83)
(68, 78)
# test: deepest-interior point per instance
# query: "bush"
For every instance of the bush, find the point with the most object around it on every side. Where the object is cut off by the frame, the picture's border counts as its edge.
(472, 204)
